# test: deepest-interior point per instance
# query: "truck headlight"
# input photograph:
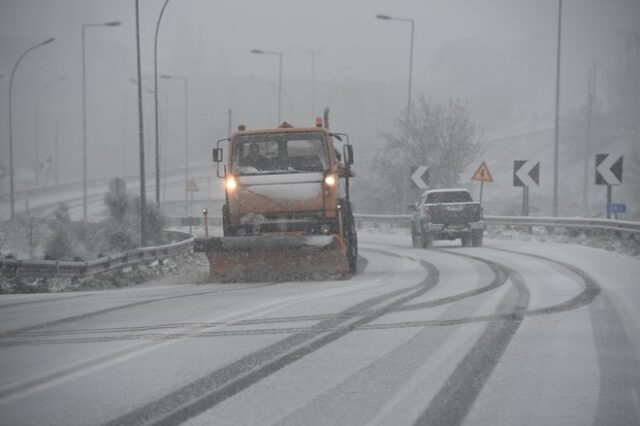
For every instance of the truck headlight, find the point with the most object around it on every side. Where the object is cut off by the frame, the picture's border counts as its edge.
(230, 183)
(330, 180)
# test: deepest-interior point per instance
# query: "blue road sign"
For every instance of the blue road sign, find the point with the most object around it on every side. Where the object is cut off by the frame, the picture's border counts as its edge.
(616, 208)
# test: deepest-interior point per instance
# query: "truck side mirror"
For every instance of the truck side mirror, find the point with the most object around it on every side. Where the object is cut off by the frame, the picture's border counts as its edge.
(348, 154)
(217, 155)
(411, 208)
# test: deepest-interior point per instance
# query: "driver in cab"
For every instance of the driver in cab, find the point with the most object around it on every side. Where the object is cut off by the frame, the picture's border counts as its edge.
(254, 159)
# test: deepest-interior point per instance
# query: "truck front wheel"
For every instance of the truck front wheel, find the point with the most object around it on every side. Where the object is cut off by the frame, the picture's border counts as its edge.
(351, 238)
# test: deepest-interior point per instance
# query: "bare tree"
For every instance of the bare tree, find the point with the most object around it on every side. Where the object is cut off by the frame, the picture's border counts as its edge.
(442, 136)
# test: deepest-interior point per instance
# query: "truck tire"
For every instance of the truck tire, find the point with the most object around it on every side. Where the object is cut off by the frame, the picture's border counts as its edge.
(427, 241)
(226, 229)
(416, 240)
(476, 239)
(351, 238)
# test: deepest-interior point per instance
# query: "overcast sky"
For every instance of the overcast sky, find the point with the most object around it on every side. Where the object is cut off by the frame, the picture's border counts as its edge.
(462, 48)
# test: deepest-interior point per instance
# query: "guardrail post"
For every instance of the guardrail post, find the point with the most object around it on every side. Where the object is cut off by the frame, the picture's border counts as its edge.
(206, 223)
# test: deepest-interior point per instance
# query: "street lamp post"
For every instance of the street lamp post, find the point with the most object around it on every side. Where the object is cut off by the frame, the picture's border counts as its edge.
(161, 118)
(313, 54)
(279, 54)
(556, 139)
(84, 114)
(186, 129)
(13, 72)
(186, 135)
(143, 187)
(37, 156)
(390, 18)
(155, 100)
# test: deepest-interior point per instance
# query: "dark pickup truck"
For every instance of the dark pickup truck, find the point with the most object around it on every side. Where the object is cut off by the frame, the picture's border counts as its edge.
(446, 214)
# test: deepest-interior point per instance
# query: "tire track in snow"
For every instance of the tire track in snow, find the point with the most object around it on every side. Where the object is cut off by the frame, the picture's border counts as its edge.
(75, 318)
(208, 391)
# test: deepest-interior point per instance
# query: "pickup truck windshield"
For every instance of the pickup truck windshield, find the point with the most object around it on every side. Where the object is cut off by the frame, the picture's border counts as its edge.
(276, 153)
(449, 197)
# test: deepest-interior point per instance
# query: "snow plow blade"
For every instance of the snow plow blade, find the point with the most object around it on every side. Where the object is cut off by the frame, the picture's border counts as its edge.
(273, 257)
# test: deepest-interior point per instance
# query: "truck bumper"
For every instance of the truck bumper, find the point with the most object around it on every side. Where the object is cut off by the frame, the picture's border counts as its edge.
(273, 257)
(439, 231)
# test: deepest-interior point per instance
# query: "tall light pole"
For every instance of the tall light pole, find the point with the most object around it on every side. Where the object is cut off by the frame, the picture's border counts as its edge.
(161, 117)
(279, 54)
(155, 100)
(556, 144)
(313, 54)
(143, 188)
(13, 72)
(84, 113)
(391, 18)
(37, 159)
(186, 135)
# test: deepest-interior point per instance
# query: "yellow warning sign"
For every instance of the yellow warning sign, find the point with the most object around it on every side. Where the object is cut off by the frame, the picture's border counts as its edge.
(192, 187)
(482, 174)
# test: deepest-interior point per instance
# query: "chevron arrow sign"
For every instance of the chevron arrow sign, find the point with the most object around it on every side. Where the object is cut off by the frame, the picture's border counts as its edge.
(526, 173)
(608, 169)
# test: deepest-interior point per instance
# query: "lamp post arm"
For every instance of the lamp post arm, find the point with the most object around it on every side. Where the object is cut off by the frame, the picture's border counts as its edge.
(279, 88)
(13, 72)
(410, 70)
(155, 99)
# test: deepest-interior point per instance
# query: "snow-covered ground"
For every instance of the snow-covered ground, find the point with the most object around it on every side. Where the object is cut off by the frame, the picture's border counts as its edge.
(515, 332)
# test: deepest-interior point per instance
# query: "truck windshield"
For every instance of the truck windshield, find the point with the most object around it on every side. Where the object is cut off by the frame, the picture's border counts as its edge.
(449, 197)
(269, 153)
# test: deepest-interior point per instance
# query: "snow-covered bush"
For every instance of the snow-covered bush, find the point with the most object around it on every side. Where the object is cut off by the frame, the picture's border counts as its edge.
(58, 245)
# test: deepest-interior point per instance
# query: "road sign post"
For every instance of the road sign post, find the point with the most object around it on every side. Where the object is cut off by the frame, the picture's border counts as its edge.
(616, 208)
(483, 175)
(609, 173)
(418, 177)
(526, 173)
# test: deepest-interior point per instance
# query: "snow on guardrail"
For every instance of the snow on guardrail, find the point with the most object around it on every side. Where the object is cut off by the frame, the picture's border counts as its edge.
(552, 222)
(55, 268)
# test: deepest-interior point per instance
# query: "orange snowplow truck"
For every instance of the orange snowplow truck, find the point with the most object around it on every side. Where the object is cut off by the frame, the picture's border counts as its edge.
(287, 207)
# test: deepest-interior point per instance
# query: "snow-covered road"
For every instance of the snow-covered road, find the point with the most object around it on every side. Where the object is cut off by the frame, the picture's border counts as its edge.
(510, 333)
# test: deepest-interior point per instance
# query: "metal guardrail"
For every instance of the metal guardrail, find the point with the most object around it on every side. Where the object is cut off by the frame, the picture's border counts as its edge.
(404, 220)
(54, 268)
(549, 222)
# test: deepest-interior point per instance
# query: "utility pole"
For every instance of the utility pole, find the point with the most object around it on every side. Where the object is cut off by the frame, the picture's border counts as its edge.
(143, 194)
(155, 99)
(313, 54)
(13, 72)
(56, 156)
(556, 145)
(591, 94)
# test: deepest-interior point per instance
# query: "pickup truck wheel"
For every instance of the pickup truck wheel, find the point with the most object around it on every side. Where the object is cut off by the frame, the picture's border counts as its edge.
(476, 239)
(427, 242)
(416, 240)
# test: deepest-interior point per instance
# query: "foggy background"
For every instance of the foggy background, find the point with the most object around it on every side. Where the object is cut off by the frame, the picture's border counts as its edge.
(499, 55)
